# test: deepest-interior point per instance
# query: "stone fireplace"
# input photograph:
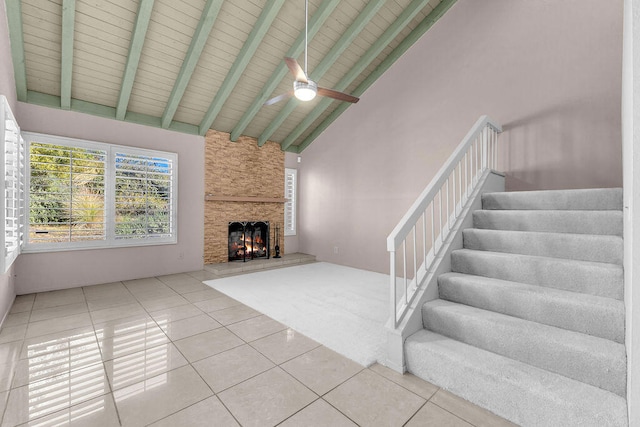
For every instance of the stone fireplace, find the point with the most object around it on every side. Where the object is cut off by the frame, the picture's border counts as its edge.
(244, 183)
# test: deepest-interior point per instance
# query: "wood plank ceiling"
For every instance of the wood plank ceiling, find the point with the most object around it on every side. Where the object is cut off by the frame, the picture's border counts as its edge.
(192, 65)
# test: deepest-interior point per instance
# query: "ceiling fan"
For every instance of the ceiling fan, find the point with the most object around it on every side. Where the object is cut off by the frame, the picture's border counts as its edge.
(304, 88)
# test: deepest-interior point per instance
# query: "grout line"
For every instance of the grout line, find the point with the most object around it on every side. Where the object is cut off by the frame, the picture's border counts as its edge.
(234, 385)
(300, 410)
(347, 379)
(238, 321)
(339, 411)
(6, 406)
(406, 388)
(227, 408)
(115, 408)
(294, 357)
(415, 413)
(454, 414)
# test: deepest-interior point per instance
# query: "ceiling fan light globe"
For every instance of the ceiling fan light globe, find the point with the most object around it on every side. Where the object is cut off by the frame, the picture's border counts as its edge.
(305, 91)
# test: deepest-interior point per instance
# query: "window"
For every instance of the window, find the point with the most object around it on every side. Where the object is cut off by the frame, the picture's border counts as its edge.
(290, 191)
(66, 193)
(12, 186)
(142, 196)
(86, 194)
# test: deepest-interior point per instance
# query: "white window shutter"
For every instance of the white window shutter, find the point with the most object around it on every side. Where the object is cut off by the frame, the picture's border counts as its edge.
(290, 207)
(12, 185)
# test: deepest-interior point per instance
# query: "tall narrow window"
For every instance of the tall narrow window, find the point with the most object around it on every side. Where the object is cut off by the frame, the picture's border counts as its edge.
(290, 192)
(12, 185)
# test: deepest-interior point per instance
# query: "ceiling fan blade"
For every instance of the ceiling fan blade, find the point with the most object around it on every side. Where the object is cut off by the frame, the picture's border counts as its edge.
(296, 70)
(337, 95)
(279, 98)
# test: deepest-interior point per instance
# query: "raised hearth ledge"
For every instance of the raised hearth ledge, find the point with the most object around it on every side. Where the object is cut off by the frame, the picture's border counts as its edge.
(252, 199)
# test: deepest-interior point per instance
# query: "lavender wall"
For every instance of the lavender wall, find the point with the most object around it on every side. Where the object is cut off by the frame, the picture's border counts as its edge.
(549, 71)
(8, 89)
(56, 270)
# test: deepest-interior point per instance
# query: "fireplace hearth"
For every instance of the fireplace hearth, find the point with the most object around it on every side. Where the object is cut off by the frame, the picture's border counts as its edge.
(248, 240)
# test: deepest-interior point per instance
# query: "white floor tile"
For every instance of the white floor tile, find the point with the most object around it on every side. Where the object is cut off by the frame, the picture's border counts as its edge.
(187, 327)
(45, 327)
(267, 399)
(231, 367)
(98, 412)
(201, 414)
(198, 347)
(129, 342)
(157, 397)
(55, 394)
(142, 365)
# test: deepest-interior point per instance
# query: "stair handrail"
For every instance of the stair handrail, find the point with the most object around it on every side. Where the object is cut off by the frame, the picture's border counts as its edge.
(476, 153)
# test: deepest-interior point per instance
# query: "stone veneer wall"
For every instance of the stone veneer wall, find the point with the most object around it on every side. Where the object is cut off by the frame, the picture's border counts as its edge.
(240, 169)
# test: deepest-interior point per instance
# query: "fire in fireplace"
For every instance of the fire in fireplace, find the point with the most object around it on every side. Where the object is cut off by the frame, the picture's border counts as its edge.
(248, 240)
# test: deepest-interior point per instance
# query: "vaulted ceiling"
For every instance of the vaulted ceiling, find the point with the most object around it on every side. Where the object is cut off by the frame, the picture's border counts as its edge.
(192, 65)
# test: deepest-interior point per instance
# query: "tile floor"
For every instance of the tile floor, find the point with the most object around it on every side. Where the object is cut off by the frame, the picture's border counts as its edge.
(170, 351)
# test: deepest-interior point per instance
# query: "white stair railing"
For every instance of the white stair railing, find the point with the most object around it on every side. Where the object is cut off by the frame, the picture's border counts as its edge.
(419, 236)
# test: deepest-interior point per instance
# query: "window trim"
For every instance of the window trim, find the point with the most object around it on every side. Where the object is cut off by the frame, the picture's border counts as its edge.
(110, 240)
(291, 231)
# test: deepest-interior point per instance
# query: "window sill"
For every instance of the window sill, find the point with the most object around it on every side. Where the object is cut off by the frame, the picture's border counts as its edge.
(34, 249)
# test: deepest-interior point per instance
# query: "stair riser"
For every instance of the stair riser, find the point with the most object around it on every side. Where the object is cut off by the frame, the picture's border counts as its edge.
(578, 357)
(603, 319)
(585, 222)
(524, 394)
(602, 280)
(587, 199)
(581, 247)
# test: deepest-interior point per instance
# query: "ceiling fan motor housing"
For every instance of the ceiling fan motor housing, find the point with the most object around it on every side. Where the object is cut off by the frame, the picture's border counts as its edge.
(305, 91)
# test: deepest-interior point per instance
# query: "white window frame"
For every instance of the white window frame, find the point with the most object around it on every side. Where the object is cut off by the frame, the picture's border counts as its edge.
(16, 175)
(291, 224)
(110, 241)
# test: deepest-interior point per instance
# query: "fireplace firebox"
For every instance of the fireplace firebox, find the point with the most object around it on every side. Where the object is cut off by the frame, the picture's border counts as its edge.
(248, 240)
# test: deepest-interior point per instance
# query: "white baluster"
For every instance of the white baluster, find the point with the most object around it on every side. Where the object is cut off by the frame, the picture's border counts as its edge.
(404, 268)
(392, 278)
(415, 262)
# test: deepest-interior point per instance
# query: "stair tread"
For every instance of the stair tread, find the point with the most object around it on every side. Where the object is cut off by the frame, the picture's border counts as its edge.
(575, 262)
(584, 247)
(586, 358)
(549, 234)
(605, 222)
(577, 339)
(596, 278)
(575, 199)
(514, 390)
(535, 289)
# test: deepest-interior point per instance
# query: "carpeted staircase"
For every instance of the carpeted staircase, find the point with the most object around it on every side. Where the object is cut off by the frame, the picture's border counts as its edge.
(530, 323)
